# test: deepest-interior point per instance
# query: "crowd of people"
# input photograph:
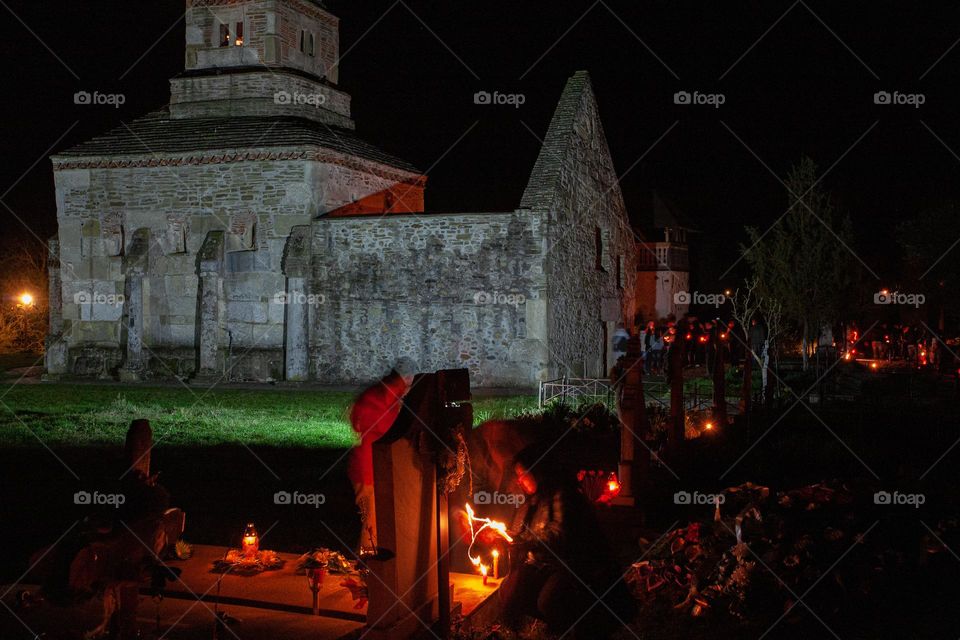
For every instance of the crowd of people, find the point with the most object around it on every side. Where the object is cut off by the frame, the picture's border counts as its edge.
(700, 336)
(914, 344)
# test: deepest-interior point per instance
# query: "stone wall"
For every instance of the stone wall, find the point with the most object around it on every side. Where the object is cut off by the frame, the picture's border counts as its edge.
(591, 259)
(450, 290)
(255, 203)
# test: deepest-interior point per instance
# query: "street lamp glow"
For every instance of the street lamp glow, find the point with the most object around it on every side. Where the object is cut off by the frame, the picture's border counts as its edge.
(26, 299)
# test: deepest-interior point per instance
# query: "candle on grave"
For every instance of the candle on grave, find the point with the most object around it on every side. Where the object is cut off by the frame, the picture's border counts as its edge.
(251, 541)
(484, 571)
(496, 564)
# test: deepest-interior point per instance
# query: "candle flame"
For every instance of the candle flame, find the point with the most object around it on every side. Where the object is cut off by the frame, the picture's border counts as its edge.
(486, 523)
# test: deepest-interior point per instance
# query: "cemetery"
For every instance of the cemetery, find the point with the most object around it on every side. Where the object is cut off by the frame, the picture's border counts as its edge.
(670, 347)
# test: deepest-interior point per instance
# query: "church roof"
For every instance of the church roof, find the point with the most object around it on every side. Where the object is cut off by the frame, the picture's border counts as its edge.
(156, 133)
(547, 169)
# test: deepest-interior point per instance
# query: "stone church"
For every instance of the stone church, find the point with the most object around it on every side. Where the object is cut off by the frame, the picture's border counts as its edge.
(247, 232)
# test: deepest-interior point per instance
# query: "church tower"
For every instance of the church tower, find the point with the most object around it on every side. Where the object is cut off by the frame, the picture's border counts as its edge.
(260, 58)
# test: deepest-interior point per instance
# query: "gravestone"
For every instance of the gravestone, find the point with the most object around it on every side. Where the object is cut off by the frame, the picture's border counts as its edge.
(415, 466)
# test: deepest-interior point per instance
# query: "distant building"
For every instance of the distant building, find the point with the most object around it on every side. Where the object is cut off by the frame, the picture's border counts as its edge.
(663, 272)
(246, 232)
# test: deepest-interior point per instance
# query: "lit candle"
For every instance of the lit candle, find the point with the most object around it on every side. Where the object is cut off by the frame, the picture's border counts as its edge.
(251, 541)
(483, 570)
(496, 564)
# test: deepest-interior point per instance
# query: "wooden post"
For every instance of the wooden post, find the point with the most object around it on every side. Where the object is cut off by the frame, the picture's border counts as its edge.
(677, 356)
(632, 411)
(719, 381)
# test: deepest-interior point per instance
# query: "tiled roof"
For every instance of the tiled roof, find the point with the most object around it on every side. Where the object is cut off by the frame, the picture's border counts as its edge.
(546, 171)
(156, 133)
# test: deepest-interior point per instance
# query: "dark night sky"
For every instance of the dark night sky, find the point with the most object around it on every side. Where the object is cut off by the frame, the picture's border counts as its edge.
(799, 90)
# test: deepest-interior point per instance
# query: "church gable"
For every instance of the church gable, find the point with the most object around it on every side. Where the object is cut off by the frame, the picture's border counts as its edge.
(574, 160)
(591, 257)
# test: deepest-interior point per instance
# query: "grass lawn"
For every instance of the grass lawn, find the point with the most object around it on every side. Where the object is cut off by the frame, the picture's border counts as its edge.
(96, 415)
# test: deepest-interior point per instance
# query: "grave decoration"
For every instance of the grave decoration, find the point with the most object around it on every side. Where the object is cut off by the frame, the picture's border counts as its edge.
(759, 548)
(251, 541)
(249, 559)
(237, 562)
(599, 486)
(323, 558)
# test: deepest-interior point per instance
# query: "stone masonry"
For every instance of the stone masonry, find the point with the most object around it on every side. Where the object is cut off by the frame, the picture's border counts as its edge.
(246, 233)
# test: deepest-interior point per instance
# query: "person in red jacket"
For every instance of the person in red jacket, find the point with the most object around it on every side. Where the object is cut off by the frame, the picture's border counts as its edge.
(372, 414)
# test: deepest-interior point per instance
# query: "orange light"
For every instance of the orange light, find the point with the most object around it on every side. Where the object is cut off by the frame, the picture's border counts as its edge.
(250, 544)
(847, 356)
(873, 365)
(708, 426)
(613, 485)
(26, 299)
(487, 523)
